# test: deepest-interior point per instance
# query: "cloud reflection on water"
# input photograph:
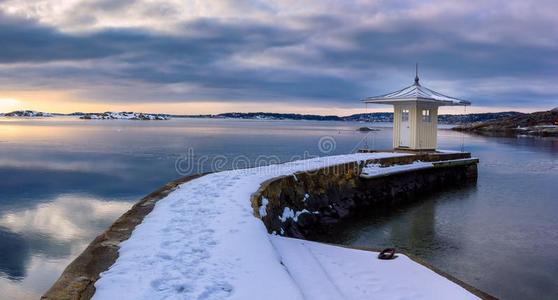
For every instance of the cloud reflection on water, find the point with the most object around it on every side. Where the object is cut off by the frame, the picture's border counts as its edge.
(47, 237)
(67, 218)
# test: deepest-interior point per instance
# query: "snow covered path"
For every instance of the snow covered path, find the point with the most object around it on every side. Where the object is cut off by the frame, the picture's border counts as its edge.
(203, 242)
(331, 272)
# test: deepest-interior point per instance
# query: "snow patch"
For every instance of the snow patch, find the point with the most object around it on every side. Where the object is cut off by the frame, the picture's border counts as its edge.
(306, 197)
(331, 272)
(448, 151)
(372, 170)
(288, 213)
(263, 207)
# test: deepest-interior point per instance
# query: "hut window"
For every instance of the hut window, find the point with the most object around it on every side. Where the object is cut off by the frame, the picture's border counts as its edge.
(405, 115)
(426, 116)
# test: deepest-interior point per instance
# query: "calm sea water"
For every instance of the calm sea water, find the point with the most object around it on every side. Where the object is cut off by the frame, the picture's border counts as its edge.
(63, 181)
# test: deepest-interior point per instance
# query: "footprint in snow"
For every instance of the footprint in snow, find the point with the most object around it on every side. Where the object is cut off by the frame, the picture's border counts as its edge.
(216, 291)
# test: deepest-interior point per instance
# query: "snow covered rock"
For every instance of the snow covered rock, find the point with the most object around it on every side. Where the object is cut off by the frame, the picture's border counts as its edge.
(123, 116)
(27, 114)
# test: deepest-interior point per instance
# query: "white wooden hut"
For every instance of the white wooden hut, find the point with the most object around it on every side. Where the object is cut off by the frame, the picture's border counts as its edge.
(415, 118)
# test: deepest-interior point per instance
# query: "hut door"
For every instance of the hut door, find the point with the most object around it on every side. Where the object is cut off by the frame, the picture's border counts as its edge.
(404, 129)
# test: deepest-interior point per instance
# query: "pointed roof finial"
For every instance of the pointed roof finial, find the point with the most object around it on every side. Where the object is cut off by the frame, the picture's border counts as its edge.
(416, 75)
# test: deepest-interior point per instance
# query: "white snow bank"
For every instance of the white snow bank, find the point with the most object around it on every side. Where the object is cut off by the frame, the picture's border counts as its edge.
(289, 213)
(448, 151)
(373, 170)
(203, 242)
(324, 272)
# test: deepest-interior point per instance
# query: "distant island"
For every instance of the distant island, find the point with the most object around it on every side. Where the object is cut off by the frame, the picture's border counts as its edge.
(121, 116)
(540, 123)
(27, 114)
(543, 123)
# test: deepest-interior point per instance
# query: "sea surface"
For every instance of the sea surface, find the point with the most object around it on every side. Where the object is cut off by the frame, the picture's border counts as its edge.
(64, 180)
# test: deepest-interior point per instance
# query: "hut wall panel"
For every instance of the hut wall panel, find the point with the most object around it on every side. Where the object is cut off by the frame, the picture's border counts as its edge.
(396, 125)
(413, 122)
(427, 131)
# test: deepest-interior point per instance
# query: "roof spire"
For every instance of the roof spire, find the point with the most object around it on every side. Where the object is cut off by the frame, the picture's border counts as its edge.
(416, 75)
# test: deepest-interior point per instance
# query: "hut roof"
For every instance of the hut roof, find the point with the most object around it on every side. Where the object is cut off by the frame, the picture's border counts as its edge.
(416, 92)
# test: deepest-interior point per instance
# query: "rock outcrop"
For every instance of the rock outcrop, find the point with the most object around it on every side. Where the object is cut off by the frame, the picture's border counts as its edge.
(27, 114)
(123, 116)
(544, 123)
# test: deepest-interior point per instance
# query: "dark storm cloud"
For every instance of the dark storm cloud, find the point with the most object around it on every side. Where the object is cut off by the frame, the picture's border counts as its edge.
(309, 61)
(444, 52)
(204, 41)
(448, 54)
(26, 41)
(198, 56)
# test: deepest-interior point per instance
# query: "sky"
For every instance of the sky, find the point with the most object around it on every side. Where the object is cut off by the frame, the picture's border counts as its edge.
(301, 56)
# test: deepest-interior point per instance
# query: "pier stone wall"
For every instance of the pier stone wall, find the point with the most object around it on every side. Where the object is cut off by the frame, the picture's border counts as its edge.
(310, 204)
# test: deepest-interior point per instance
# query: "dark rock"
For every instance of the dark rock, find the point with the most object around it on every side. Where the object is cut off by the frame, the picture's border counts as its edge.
(366, 129)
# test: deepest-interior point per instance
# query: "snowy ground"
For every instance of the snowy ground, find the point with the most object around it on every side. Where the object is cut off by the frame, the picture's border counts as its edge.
(374, 170)
(203, 242)
(331, 272)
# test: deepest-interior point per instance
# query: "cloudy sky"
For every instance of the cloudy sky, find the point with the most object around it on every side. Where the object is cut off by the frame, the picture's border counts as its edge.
(310, 56)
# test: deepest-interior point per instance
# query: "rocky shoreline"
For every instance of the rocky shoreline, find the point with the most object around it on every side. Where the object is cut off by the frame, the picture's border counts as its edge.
(543, 123)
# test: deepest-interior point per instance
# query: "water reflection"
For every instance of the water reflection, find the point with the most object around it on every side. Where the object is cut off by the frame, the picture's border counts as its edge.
(14, 251)
(64, 180)
(417, 230)
(67, 218)
(39, 241)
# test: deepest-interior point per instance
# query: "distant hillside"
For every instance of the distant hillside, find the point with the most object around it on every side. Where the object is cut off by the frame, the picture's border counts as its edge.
(471, 118)
(370, 117)
(364, 117)
(277, 116)
(544, 123)
(442, 119)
